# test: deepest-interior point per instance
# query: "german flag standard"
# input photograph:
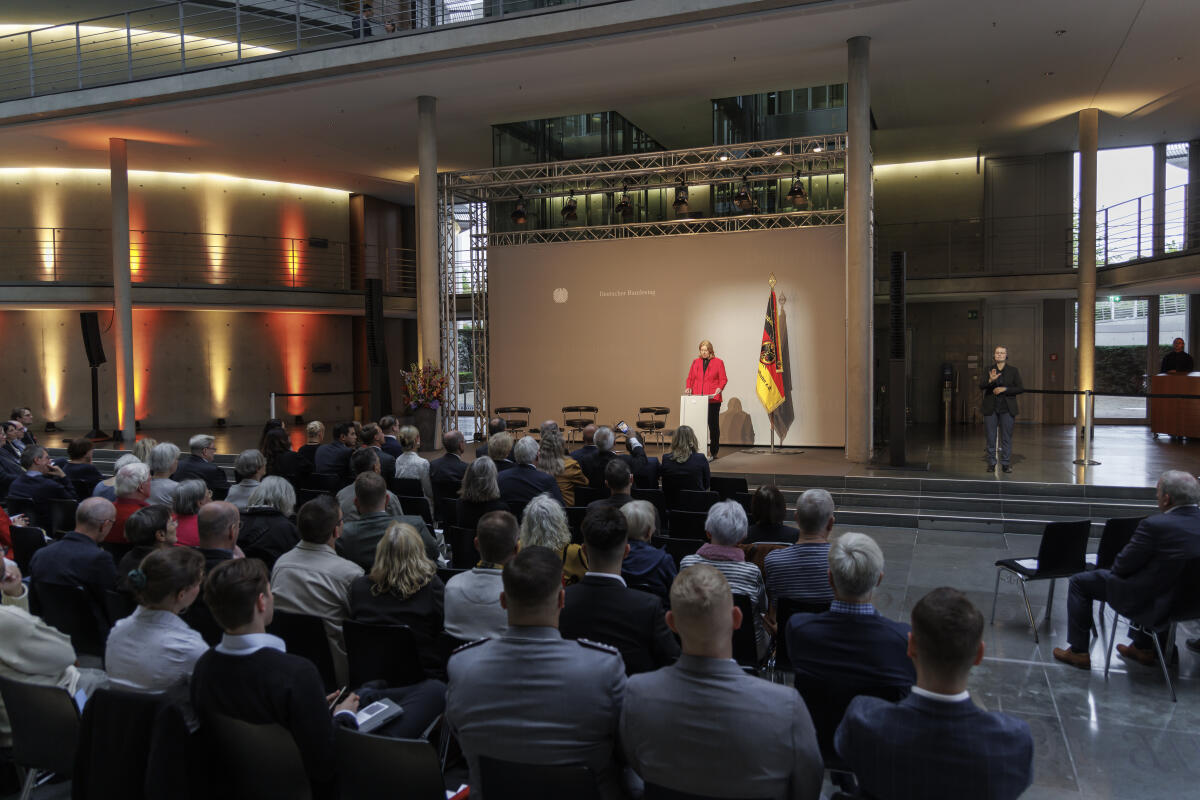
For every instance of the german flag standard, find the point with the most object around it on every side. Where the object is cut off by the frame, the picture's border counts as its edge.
(769, 386)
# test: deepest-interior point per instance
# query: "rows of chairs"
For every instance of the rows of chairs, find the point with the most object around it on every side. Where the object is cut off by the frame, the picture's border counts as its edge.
(651, 420)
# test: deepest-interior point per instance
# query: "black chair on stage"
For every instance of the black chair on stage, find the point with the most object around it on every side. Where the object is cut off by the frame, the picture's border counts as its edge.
(305, 637)
(516, 419)
(576, 418)
(509, 780)
(382, 652)
(367, 762)
(1061, 554)
(45, 730)
(652, 421)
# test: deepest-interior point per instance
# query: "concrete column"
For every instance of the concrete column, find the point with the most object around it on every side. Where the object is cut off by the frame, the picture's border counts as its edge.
(860, 336)
(428, 307)
(1191, 235)
(1153, 362)
(1158, 222)
(1088, 144)
(118, 171)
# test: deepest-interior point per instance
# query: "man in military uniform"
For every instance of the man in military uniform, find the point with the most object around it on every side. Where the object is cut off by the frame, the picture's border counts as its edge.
(531, 696)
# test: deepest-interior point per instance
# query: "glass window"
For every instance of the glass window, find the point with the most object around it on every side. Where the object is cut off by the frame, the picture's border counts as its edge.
(820, 97)
(837, 95)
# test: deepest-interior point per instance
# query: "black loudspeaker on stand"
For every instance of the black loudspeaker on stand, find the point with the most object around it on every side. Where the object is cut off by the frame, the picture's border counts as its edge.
(90, 323)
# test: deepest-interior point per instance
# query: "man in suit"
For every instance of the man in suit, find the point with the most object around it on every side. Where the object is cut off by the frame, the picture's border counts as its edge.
(199, 463)
(472, 598)
(1000, 388)
(703, 726)
(366, 459)
(77, 558)
(602, 608)
(446, 473)
(524, 481)
(619, 480)
(1145, 576)
(333, 458)
(12, 447)
(604, 438)
(41, 482)
(495, 425)
(532, 696)
(373, 439)
(851, 644)
(25, 417)
(217, 526)
(587, 450)
(936, 742)
(390, 426)
(372, 520)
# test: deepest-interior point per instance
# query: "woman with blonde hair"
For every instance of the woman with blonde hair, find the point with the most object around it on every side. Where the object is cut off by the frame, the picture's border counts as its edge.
(553, 460)
(410, 464)
(143, 447)
(544, 524)
(314, 433)
(707, 376)
(403, 588)
(682, 467)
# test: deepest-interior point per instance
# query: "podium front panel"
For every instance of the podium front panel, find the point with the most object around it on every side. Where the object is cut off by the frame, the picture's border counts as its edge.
(693, 412)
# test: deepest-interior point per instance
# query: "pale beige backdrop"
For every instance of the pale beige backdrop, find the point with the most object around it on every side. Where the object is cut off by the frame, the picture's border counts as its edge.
(636, 309)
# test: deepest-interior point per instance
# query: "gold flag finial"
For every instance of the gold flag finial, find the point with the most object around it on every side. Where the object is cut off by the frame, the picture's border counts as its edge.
(771, 281)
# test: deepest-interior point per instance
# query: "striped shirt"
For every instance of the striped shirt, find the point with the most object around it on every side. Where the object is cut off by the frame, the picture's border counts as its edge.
(744, 578)
(799, 572)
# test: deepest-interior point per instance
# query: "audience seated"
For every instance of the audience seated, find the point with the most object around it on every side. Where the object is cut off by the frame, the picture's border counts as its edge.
(107, 488)
(495, 425)
(190, 496)
(646, 567)
(41, 482)
(767, 511)
(446, 472)
(281, 461)
(499, 450)
(602, 608)
(267, 530)
(705, 727)
(410, 464)
(725, 527)
(314, 433)
(10, 456)
(544, 524)
(14, 437)
(25, 417)
(143, 447)
(333, 458)
(800, 572)
(133, 492)
(274, 424)
(619, 480)
(683, 466)
(249, 469)
(851, 644)
(77, 559)
(566, 471)
(217, 527)
(390, 427)
(79, 468)
(598, 463)
(524, 481)
(402, 588)
(365, 459)
(199, 463)
(313, 579)
(587, 448)
(373, 438)
(480, 492)
(361, 536)
(937, 743)
(147, 529)
(531, 696)
(164, 461)
(472, 599)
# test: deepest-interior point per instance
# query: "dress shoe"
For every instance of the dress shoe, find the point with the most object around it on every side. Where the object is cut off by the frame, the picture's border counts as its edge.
(991, 467)
(1007, 468)
(1147, 657)
(1193, 645)
(1068, 656)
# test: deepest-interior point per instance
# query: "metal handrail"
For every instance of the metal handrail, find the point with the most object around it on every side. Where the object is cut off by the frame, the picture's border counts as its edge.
(1125, 230)
(174, 37)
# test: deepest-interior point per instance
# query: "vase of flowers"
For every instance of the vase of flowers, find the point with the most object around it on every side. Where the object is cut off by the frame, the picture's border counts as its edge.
(424, 392)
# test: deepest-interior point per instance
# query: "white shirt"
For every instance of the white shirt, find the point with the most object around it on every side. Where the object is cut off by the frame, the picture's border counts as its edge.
(247, 643)
(944, 698)
(151, 650)
(609, 575)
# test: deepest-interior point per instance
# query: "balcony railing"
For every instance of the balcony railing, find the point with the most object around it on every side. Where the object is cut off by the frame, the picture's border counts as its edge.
(83, 256)
(967, 247)
(1125, 231)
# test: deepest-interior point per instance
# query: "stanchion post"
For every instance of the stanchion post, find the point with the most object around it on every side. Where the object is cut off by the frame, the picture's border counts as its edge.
(272, 406)
(1088, 430)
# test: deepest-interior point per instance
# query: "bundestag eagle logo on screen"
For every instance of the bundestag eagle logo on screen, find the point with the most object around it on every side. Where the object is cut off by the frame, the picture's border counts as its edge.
(560, 295)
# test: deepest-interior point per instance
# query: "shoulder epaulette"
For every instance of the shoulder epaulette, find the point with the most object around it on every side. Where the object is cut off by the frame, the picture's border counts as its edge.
(469, 645)
(604, 648)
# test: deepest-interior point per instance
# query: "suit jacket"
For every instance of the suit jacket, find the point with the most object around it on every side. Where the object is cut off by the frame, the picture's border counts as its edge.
(360, 537)
(524, 482)
(266, 533)
(594, 468)
(41, 488)
(926, 748)
(333, 458)
(387, 462)
(1141, 582)
(850, 649)
(193, 466)
(10, 468)
(75, 560)
(1010, 379)
(604, 610)
(391, 446)
(705, 727)
(449, 469)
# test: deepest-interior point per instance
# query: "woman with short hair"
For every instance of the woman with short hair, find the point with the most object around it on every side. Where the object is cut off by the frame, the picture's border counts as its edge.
(544, 524)
(147, 529)
(190, 496)
(164, 460)
(107, 488)
(314, 433)
(480, 493)
(248, 469)
(410, 464)
(267, 532)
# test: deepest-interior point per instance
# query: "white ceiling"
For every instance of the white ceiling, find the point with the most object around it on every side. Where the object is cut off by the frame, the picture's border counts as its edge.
(948, 78)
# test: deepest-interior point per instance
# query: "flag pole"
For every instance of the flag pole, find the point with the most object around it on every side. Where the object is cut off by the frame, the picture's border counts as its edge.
(770, 420)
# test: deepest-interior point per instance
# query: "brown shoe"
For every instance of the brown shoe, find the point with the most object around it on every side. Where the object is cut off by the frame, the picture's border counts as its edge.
(1147, 657)
(1068, 656)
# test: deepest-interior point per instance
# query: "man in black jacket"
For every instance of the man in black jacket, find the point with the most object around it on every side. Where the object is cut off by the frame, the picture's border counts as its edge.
(1000, 389)
(199, 463)
(602, 608)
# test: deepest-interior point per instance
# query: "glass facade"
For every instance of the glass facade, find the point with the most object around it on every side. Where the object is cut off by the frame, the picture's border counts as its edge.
(810, 111)
(595, 135)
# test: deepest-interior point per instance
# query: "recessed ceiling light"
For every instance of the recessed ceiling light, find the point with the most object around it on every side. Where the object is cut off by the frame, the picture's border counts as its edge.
(1060, 32)
(1048, 74)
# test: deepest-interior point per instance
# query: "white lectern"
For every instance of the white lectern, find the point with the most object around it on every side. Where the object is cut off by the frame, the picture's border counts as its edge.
(693, 412)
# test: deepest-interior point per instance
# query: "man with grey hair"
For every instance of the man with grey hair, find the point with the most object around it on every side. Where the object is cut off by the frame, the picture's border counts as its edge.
(199, 463)
(41, 482)
(852, 644)
(249, 469)
(217, 527)
(702, 727)
(596, 465)
(164, 460)
(524, 481)
(133, 492)
(646, 567)
(800, 572)
(1145, 577)
(77, 559)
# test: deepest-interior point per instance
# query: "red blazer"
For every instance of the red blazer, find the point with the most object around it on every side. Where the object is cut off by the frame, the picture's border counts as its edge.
(710, 382)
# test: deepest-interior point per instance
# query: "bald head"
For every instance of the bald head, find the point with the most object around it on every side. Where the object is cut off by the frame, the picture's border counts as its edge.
(217, 525)
(94, 518)
(453, 442)
(588, 434)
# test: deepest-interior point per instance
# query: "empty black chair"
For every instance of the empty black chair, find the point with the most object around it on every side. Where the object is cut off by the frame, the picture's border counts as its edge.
(510, 780)
(367, 762)
(406, 487)
(463, 554)
(656, 792)
(62, 516)
(691, 500)
(652, 421)
(305, 637)
(417, 505)
(745, 647)
(1062, 553)
(728, 486)
(382, 652)
(827, 704)
(576, 418)
(25, 542)
(72, 611)
(587, 494)
(118, 605)
(677, 548)
(45, 729)
(257, 761)
(324, 482)
(516, 418)
(687, 524)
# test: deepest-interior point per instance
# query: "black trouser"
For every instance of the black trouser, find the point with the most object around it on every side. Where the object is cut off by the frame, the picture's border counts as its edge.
(714, 428)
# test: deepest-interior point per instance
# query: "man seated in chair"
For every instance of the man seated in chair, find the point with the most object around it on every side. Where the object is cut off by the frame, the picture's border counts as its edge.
(41, 482)
(77, 559)
(531, 696)
(472, 598)
(366, 459)
(361, 535)
(198, 463)
(705, 727)
(1143, 580)
(495, 425)
(597, 464)
(937, 742)
(524, 481)
(446, 472)
(619, 480)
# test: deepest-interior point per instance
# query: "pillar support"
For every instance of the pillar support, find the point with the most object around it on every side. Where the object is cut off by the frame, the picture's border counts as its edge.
(1088, 145)
(118, 170)
(860, 337)
(1158, 217)
(428, 308)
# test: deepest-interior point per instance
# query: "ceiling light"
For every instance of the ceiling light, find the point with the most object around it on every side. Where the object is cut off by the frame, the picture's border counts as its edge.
(518, 216)
(568, 210)
(778, 152)
(724, 158)
(796, 195)
(681, 199)
(818, 149)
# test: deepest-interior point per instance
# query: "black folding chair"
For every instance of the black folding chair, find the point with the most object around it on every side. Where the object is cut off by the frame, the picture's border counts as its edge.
(305, 636)
(62, 516)
(587, 494)
(728, 486)
(785, 607)
(687, 524)
(510, 780)
(692, 500)
(72, 611)
(463, 554)
(25, 542)
(745, 645)
(1062, 553)
(677, 548)
(406, 487)
(45, 729)
(1117, 533)
(367, 762)
(257, 761)
(382, 652)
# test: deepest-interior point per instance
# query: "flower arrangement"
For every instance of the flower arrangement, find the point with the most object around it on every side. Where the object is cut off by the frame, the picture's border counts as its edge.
(424, 387)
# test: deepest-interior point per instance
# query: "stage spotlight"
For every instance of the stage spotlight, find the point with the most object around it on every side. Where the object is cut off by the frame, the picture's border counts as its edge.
(569, 209)
(742, 199)
(220, 422)
(624, 208)
(681, 199)
(797, 196)
(51, 427)
(298, 420)
(518, 216)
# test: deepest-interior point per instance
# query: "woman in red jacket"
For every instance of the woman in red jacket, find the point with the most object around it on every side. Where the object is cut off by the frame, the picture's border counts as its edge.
(707, 376)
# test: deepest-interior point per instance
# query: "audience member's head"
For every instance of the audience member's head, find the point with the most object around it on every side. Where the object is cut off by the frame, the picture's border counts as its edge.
(544, 524)
(605, 537)
(164, 460)
(549, 426)
(364, 459)
(525, 450)
(767, 506)
(401, 567)
(1177, 488)
(496, 536)
(143, 447)
(855, 567)
(618, 477)
(274, 492)
(202, 445)
(95, 517)
(642, 520)
(149, 526)
(500, 445)
(345, 433)
(250, 465)
(372, 435)
(275, 443)
(168, 578)
(314, 431)
(79, 451)
(604, 438)
(551, 453)
(128, 458)
(726, 523)
(13, 430)
(588, 434)
(946, 640)
(533, 591)
(189, 496)
(133, 481)
(35, 459)
(496, 425)
(814, 512)
(453, 442)
(320, 520)
(238, 593)
(388, 424)
(268, 426)
(479, 481)
(22, 415)
(217, 525)
(683, 444)
(370, 493)
(703, 613)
